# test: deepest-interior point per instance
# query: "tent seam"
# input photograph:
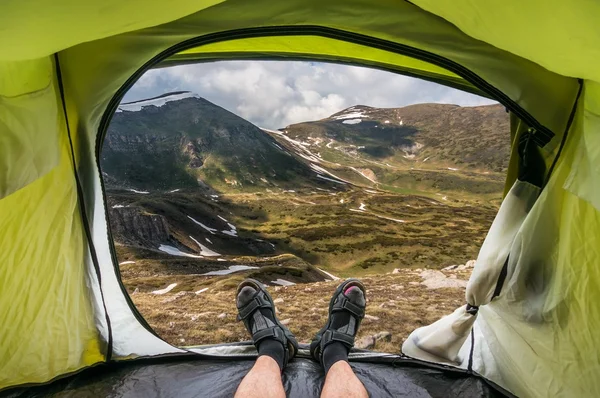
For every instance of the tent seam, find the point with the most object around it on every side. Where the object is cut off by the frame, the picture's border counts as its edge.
(82, 210)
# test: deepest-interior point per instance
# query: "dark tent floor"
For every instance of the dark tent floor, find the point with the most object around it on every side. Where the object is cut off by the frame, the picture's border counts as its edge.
(303, 377)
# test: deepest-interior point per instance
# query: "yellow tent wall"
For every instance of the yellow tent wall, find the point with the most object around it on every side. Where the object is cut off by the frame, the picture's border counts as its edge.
(51, 312)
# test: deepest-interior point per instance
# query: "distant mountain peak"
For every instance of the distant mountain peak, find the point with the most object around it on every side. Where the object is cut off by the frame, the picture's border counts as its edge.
(356, 111)
(156, 101)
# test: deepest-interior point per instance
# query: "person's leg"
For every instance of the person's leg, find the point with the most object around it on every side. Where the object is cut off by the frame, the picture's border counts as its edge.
(333, 342)
(274, 342)
(342, 382)
(263, 380)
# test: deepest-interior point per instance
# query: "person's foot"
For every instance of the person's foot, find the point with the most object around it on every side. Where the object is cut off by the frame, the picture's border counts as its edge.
(346, 310)
(257, 310)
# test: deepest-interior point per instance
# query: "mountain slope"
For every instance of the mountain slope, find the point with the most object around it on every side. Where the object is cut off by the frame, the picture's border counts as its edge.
(180, 140)
(476, 137)
(424, 147)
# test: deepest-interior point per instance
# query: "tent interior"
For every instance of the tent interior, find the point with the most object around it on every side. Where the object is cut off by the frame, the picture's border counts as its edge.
(528, 324)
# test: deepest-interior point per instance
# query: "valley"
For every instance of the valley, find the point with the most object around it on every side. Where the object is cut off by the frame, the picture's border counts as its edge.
(199, 199)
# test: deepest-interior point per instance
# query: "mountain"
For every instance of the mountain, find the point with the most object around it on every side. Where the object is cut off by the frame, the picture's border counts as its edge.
(475, 137)
(424, 147)
(179, 140)
(191, 187)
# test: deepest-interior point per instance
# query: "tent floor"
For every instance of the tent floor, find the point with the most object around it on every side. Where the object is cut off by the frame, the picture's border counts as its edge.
(188, 377)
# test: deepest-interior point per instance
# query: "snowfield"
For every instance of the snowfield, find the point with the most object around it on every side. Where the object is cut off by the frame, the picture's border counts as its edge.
(157, 102)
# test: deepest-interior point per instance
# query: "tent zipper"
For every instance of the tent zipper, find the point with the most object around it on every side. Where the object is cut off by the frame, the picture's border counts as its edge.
(542, 137)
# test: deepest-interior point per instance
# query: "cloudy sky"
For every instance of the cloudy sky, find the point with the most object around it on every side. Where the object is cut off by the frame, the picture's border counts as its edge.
(274, 94)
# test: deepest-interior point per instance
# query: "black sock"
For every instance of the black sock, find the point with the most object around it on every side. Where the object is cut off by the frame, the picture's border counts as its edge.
(269, 347)
(345, 322)
(333, 353)
(272, 348)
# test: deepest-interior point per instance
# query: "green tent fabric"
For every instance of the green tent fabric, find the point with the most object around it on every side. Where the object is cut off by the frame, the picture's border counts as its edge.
(65, 65)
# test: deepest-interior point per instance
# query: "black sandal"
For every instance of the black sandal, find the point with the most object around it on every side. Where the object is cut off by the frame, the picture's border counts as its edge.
(328, 335)
(262, 299)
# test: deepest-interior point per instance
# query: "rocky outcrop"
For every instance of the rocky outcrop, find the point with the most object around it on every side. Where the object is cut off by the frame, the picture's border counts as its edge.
(134, 226)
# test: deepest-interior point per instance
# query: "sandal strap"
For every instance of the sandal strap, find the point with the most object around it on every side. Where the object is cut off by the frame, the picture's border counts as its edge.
(273, 332)
(343, 304)
(331, 336)
(259, 301)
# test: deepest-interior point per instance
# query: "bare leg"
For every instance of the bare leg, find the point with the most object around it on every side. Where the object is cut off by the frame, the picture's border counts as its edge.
(263, 380)
(342, 382)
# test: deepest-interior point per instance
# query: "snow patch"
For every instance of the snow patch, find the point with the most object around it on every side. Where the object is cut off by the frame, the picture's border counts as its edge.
(175, 251)
(127, 262)
(209, 229)
(452, 168)
(232, 228)
(342, 201)
(333, 277)
(136, 191)
(330, 179)
(387, 122)
(205, 251)
(351, 115)
(166, 289)
(208, 240)
(283, 282)
(201, 290)
(175, 190)
(352, 121)
(117, 206)
(362, 206)
(230, 270)
(157, 102)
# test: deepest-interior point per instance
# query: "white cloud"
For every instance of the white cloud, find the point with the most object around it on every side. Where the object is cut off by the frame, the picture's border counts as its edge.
(274, 94)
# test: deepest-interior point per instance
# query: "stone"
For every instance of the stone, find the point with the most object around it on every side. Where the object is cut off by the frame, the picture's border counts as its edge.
(286, 321)
(450, 268)
(383, 336)
(413, 283)
(307, 289)
(462, 267)
(436, 280)
(136, 291)
(278, 300)
(365, 343)
(452, 276)
(222, 316)
(369, 342)
(396, 271)
(471, 263)
(371, 317)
